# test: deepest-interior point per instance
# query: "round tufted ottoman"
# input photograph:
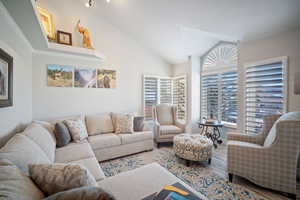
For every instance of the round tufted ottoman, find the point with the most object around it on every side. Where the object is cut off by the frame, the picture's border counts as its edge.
(192, 147)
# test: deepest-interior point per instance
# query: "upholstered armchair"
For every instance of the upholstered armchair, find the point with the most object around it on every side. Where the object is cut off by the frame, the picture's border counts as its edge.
(166, 124)
(270, 158)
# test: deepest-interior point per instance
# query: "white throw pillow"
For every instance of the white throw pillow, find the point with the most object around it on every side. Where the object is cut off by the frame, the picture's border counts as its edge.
(123, 123)
(54, 178)
(77, 129)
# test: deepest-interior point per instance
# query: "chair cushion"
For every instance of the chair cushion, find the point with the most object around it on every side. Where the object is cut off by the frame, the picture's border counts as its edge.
(104, 141)
(169, 129)
(99, 123)
(43, 138)
(272, 134)
(74, 152)
(93, 166)
(136, 137)
(165, 114)
(22, 151)
(15, 185)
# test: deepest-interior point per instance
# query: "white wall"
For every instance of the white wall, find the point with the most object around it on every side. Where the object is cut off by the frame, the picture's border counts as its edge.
(123, 54)
(13, 42)
(284, 44)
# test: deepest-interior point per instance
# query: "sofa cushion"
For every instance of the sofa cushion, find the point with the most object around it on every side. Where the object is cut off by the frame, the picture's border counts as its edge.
(15, 185)
(93, 166)
(53, 178)
(47, 125)
(62, 134)
(43, 138)
(82, 193)
(136, 137)
(165, 114)
(99, 123)
(104, 141)
(272, 134)
(169, 129)
(22, 151)
(73, 152)
(77, 129)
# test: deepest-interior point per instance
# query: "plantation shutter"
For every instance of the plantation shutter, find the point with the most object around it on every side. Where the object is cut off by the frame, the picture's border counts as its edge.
(179, 96)
(165, 90)
(229, 97)
(150, 95)
(264, 94)
(209, 96)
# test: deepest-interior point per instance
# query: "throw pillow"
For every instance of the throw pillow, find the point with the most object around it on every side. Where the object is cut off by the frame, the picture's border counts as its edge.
(123, 123)
(62, 134)
(77, 129)
(83, 193)
(138, 124)
(15, 185)
(54, 178)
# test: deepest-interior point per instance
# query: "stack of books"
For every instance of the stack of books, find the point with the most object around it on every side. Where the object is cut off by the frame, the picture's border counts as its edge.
(173, 192)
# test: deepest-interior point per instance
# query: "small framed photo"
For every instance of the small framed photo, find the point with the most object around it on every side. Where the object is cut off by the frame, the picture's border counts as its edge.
(6, 79)
(64, 38)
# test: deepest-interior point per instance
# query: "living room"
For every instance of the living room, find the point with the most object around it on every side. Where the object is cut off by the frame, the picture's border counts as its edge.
(115, 99)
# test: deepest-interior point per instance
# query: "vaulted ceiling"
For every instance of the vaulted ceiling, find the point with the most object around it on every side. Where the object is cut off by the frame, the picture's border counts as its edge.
(175, 29)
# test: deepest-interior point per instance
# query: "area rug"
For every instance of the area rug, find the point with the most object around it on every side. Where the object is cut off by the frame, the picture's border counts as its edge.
(198, 176)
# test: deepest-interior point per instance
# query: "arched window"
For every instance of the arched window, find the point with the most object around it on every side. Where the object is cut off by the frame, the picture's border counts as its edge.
(219, 84)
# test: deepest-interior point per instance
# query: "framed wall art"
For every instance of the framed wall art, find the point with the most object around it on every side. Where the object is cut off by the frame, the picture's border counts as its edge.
(6, 79)
(106, 78)
(60, 75)
(47, 22)
(64, 38)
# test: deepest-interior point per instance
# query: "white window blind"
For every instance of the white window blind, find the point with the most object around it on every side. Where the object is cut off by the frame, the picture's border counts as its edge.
(219, 96)
(229, 97)
(166, 90)
(264, 94)
(179, 96)
(150, 95)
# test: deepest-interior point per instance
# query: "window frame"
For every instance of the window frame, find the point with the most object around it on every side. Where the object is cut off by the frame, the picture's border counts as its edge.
(285, 70)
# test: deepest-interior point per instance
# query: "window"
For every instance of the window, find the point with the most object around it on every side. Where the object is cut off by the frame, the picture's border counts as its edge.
(167, 90)
(219, 84)
(265, 93)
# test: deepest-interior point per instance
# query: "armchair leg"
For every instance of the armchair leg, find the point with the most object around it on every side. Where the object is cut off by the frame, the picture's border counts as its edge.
(230, 177)
(158, 145)
(291, 196)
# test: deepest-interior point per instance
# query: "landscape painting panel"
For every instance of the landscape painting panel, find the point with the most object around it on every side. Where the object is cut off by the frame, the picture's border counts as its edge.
(85, 77)
(3, 80)
(60, 75)
(107, 78)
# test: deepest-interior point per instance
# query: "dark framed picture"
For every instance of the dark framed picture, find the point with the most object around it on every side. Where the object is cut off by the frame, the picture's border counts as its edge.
(64, 38)
(6, 79)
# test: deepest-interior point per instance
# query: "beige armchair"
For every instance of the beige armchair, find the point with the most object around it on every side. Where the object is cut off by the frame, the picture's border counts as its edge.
(166, 125)
(268, 159)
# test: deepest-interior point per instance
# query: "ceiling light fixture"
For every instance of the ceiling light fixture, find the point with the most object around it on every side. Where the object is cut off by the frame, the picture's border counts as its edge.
(90, 3)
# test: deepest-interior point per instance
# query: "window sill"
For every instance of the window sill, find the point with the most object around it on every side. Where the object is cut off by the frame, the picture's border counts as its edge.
(229, 125)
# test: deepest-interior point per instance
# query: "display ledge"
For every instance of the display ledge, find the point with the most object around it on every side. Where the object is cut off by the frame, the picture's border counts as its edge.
(54, 47)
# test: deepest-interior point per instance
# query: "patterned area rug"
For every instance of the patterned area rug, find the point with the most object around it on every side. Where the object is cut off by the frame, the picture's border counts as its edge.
(198, 176)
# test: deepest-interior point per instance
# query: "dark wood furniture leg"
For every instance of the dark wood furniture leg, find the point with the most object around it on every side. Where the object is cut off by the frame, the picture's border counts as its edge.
(230, 177)
(209, 161)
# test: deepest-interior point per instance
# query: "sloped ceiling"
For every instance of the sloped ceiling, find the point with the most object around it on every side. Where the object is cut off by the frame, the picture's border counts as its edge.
(175, 29)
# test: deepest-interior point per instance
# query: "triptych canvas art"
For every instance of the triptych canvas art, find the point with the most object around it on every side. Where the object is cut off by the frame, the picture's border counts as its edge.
(81, 77)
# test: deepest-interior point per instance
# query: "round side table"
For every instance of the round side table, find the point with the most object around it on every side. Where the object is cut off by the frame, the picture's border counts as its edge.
(214, 134)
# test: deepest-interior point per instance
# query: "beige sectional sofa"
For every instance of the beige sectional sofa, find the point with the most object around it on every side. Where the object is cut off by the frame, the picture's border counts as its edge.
(37, 145)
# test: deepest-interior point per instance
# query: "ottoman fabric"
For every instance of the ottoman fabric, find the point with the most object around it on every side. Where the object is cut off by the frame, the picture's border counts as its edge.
(193, 147)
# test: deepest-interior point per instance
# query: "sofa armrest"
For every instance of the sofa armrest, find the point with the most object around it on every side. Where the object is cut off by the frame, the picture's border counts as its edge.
(251, 138)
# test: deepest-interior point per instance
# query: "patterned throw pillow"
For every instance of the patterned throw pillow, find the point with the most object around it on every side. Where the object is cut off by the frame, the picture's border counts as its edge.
(123, 123)
(77, 129)
(54, 178)
(83, 193)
